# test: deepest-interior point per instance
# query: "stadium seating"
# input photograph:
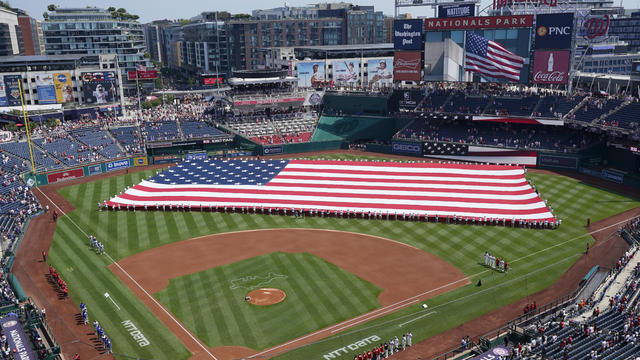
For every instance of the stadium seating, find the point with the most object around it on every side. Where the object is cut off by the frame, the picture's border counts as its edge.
(595, 108)
(519, 136)
(43, 161)
(198, 129)
(129, 138)
(98, 140)
(160, 130)
(513, 106)
(626, 117)
(553, 106)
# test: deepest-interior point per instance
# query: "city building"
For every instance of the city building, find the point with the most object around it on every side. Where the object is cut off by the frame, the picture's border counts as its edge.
(205, 48)
(11, 42)
(94, 31)
(32, 34)
(627, 29)
(218, 42)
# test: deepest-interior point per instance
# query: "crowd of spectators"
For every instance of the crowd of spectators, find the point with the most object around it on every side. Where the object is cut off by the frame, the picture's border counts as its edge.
(509, 135)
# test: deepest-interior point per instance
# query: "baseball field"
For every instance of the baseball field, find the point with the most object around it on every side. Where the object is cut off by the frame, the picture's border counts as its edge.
(180, 278)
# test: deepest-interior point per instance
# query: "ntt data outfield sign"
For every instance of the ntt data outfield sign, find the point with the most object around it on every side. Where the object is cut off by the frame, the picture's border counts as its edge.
(364, 343)
(407, 34)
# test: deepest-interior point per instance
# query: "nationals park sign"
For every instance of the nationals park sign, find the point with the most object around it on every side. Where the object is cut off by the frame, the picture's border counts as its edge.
(479, 22)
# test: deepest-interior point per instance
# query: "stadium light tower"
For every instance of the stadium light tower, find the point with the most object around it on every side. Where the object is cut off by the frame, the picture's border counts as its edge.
(432, 3)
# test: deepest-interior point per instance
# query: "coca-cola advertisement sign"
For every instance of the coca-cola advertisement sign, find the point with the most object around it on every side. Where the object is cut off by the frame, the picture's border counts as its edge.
(550, 67)
(407, 65)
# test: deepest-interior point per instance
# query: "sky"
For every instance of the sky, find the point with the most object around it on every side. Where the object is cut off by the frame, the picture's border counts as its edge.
(150, 10)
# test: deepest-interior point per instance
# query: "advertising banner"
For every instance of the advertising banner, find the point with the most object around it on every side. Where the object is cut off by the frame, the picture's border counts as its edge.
(410, 99)
(407, 65)
(46, 90)
(498, 4)
(452, 11)
(565, 162)
(3, 93)
(99, 87)
(142, 75)
(142, 161)
(346, 72)
(479, 22)
(94, 169)
(212, 81)
(380, 72)
(65, 175)
(63, 87)
(17, 339)
(12, 89)
(265, 101)
(553, 31)
(407, 34)
(407, 148)
(311, 74)
(313, 98)
(550, 67)
(272, 150)
(196, 156)
(117, 165)
(493, 354)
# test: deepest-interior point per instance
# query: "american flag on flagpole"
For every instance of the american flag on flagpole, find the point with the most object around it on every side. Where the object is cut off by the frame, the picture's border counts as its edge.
(424, 189)
(140, 67)
(491, 59)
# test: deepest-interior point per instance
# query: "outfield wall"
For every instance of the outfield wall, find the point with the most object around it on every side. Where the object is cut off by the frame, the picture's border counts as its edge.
(54, 176)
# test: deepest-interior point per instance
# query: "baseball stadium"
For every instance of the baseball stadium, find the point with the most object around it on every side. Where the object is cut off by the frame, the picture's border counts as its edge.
(332, 210)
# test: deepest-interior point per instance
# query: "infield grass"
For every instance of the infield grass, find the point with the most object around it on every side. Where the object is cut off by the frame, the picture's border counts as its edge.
(319, 294)
(537, 258)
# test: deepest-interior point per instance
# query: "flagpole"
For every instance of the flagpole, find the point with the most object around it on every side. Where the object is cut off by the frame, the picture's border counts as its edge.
(464, 55)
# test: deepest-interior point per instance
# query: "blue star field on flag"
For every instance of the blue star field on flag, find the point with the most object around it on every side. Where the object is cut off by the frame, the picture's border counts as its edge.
(226, 172)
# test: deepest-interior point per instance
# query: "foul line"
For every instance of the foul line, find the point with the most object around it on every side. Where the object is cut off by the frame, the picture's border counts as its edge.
(367, 319)
(135, 282)
(419, 317)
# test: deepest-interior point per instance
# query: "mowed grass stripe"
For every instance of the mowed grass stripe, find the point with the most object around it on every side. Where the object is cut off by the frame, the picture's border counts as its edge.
(462, 246)
(97, 283)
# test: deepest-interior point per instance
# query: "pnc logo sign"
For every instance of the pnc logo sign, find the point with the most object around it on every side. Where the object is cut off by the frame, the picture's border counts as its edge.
(553, 31)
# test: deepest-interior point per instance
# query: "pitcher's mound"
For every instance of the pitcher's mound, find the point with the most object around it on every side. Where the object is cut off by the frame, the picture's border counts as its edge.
(265, 296)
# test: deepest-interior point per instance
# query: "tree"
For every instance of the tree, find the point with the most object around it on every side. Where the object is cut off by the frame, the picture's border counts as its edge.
(51, 7)
(45, 15)
(122, 10)
(111, 9)
(135, 17)
(184, 22)
(241, 16)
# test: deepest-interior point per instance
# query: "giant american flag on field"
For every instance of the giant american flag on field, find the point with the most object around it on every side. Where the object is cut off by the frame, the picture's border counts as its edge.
(491, 191)
(491, 59)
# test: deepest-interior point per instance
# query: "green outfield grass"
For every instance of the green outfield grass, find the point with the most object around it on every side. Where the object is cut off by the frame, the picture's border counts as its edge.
(319, 294)
(537, 259)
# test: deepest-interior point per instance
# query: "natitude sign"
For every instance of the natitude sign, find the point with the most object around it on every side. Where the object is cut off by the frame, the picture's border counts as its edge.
(407, 65)
(551, 67)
